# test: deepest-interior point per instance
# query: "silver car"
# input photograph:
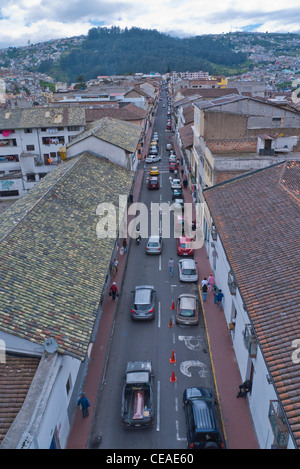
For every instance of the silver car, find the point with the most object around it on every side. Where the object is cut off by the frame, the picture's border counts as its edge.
(187, 270)
(187, 309)
(154, 245)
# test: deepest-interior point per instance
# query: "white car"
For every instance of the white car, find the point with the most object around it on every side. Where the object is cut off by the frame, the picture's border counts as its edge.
(175, 183)
(172, 158)
(169, 146)
(153, 150)
(187, 270)
(152, 159)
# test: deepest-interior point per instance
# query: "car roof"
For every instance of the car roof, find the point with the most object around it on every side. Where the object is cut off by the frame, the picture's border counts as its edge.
(187, 301)
(143, 294)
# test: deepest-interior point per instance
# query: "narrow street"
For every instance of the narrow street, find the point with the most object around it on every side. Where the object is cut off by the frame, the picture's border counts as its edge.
(153, 340)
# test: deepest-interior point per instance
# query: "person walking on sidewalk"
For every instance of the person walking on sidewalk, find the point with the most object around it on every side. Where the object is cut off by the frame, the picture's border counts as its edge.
(124, 245)
(204, 291)
(171, 266)
(211, 281)
(220, 297)
(83, 402)
(215, 293)
(113, 291)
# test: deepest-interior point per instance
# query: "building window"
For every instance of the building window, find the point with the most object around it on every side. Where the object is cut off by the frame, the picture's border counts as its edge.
(30, 147)
(69, 385)
(28, 131)
(30, 177)
(9, 193)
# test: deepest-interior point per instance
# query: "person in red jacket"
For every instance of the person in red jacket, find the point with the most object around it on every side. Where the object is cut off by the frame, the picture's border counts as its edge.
(113, 292)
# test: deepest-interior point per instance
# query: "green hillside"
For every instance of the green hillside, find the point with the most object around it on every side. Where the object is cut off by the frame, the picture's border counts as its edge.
(109, 51)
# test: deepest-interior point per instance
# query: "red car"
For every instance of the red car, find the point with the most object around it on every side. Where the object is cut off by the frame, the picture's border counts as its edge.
(153, 183)
(184, 246)
(173, 166)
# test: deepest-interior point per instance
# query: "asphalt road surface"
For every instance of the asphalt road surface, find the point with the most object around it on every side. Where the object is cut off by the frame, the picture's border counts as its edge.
(153, 340)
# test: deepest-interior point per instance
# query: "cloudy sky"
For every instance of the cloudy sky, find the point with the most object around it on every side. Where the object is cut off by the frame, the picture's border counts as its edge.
(40, 20)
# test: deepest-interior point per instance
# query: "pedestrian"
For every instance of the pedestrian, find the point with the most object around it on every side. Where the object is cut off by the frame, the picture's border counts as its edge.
(185, 183)
(211, 281)
(204, 291)
(113, 291)
(220, 297)
(171, 266)
(182, 173)
(204, 282)
(124, 245)
(116, 263)
(83, 402)
(215, 293)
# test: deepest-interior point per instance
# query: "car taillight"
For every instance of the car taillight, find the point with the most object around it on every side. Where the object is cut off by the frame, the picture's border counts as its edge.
(151, 311)
(133, 311)
(191, 445)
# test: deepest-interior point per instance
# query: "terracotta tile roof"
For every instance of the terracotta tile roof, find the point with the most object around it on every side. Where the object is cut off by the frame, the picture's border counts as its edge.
(16, 375)
(126, 113)
(53, 266)
(257, 218)
(117, 132)
(186, 136)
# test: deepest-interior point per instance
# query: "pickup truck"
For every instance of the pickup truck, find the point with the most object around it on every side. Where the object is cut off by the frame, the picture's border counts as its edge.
(137, 397)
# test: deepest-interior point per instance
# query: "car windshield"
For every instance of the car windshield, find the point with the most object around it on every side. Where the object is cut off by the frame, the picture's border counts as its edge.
(187, 313)
(153, 244)
(185, 245)
(188, 271)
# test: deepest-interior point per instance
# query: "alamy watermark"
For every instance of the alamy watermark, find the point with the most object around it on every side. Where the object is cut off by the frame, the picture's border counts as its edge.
(114, 222)
(296, 92)
(2, 351)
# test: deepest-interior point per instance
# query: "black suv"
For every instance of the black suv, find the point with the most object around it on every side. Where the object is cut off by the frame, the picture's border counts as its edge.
(201, 420)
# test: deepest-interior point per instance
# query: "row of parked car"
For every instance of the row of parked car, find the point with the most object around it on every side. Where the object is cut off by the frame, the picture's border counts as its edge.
(137, 399)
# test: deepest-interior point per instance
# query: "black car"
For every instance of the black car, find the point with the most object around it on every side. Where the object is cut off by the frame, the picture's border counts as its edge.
(201, 420)
(143, 304)
(177, 194)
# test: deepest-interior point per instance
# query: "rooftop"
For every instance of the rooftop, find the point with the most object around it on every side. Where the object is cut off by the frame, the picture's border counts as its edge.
(258, 225)
(53, 265)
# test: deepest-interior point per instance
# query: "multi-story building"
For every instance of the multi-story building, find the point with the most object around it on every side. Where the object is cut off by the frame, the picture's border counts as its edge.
(236, 134)
(30, 142)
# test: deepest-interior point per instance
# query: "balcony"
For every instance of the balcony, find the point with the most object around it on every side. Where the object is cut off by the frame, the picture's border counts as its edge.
(278, 424)
(231, 282)
(250, 340)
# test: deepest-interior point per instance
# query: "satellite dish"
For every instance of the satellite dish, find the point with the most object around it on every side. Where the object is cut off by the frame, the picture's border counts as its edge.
(50, 345)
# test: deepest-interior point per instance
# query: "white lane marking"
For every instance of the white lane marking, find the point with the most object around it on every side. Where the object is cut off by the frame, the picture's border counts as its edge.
(159, 315)
(158, 407)
(177, 433)
(191, 342)
(185, 368)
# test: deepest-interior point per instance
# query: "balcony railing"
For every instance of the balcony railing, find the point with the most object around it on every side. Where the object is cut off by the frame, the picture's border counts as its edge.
(278, 424)
(250, 340)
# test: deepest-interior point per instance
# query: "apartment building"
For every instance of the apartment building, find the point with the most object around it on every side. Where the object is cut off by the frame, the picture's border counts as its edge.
(236, 134)
(30, 143)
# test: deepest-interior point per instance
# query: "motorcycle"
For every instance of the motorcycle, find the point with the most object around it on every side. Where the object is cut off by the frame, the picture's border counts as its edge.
(138, 239)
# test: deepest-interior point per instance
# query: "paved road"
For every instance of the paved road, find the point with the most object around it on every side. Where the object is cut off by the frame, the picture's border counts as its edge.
(153, 340)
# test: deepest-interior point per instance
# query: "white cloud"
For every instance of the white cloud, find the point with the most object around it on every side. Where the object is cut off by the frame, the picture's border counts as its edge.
(41, 20)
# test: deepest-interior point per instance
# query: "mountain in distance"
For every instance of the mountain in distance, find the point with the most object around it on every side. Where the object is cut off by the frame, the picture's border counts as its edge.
(113, 51)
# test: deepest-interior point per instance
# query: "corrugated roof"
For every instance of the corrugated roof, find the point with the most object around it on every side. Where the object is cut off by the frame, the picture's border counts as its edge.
(53, 266)
(257, 217)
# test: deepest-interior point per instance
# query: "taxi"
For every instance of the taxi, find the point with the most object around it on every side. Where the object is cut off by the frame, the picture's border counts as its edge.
(154, 171)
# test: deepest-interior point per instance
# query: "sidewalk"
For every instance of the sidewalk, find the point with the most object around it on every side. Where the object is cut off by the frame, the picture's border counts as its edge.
(237, 420)
(236, 417)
